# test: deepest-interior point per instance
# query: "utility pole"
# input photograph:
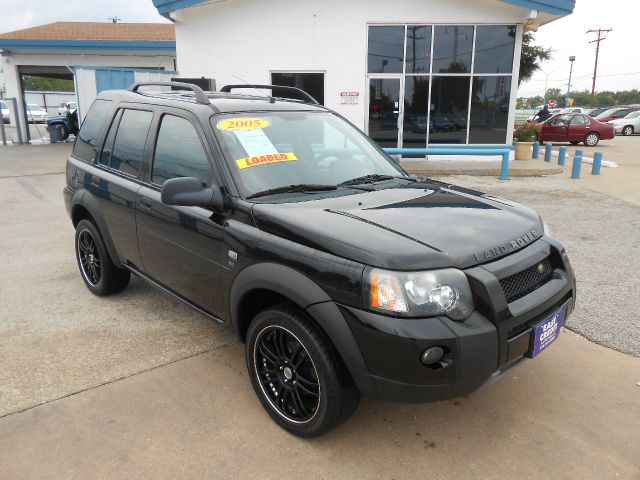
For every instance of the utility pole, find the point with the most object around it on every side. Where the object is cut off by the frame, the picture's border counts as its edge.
(599, 31)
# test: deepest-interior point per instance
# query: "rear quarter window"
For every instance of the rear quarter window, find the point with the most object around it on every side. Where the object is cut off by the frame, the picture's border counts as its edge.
(89, 136)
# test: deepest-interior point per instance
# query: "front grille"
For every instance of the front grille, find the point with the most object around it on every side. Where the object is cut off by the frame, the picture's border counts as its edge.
(523, 283)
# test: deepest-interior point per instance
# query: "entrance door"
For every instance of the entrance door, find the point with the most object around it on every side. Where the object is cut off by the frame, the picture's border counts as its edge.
(384, 111)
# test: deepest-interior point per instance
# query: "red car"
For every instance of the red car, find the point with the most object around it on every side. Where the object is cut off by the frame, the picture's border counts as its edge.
(615, 113)
(575, 128)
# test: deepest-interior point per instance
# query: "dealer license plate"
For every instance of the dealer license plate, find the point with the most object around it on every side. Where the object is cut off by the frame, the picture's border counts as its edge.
(546, 332)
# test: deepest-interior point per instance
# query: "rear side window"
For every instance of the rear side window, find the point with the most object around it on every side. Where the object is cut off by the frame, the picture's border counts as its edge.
(91, 126)
(179, 152)
(128, 147)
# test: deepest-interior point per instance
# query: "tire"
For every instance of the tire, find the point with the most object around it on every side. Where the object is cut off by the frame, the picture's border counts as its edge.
(65, 133)
(297, 374)
(99, 273)
(627, 130)
(591, 139)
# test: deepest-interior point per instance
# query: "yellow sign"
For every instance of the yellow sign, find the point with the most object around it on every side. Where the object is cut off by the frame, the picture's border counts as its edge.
(264, 159)
(242, 124)
(571, 100)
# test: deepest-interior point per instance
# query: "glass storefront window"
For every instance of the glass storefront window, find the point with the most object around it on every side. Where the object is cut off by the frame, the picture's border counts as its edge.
(312, 83)
(494, 49)
(416, 100)
(386, 49)
(418, 55)
(452, 47)
(489, 109)
(449, 106)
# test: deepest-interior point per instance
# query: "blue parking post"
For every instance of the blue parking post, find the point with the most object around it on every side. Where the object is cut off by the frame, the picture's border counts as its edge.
(504, 167)
(548, 149)
(597, 163)
(577, 162)
(562, 154)
(536, 150)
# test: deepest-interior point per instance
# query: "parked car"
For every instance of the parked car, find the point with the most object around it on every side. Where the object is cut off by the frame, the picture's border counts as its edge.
(67, 123)
(614, 113)
(627, 125)
(67, 106)
(343, 274)
(575, 128)
(35, 113)
(597, 111)
(4, 111)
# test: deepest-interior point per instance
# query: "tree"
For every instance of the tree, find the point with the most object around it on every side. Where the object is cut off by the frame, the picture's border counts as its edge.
(531, 58)
(32, 82)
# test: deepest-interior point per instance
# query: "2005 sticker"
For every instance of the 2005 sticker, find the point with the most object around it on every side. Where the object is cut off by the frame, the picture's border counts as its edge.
(242, 124)
(264, 159)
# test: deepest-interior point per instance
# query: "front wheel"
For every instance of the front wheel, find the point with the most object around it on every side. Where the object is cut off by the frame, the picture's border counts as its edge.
(591, 139)
(628, 130)
(296, 373)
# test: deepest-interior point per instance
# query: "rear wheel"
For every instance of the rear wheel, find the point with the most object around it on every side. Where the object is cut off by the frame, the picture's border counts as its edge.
(591, 139)
(99, 273)
(297, 374)
(628, 130)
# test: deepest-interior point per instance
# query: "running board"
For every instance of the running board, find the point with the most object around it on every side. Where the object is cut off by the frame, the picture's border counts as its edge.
(173, 294)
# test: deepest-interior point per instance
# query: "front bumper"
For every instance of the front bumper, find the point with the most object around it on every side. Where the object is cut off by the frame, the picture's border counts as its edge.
(490, 341)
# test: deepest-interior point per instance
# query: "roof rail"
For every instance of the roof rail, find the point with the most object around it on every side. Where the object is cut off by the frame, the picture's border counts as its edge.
(302, 93)
(200, 96)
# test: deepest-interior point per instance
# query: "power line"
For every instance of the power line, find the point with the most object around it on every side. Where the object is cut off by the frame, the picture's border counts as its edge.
(599, 31)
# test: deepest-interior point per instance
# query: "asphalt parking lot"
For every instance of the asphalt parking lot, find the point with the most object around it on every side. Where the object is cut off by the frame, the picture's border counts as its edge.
(139, 386)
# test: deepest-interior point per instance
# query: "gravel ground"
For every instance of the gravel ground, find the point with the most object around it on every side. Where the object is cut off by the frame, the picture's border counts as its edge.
(602, 237)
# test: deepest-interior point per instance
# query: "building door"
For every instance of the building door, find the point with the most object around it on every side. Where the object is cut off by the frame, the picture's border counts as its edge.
(385, 111)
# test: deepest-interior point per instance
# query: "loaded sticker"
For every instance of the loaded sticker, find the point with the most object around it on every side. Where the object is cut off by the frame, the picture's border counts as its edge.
(242, 124)
(264, 159)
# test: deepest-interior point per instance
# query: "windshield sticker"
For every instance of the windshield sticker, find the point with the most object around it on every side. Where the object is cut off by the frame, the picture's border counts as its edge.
(255, 142)
(264, 159)
(242, 124)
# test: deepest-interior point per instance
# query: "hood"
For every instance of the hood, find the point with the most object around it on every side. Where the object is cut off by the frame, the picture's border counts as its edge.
(418, 227)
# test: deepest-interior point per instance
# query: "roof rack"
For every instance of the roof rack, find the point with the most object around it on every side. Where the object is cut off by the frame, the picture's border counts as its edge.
(302, 93)
(200, 96)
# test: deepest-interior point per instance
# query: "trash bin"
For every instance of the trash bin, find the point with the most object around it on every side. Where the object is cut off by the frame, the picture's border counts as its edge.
(55, 133)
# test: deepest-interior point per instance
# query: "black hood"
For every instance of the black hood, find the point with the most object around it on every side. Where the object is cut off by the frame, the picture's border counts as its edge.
(406, 228)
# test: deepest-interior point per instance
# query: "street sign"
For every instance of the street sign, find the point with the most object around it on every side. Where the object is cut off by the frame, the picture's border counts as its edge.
(552, 104)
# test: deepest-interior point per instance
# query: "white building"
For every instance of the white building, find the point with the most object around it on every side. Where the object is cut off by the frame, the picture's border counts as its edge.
(407, 72)
(97, 56)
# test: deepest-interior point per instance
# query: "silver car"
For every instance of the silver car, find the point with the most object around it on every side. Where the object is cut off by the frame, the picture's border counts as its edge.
(627, 125)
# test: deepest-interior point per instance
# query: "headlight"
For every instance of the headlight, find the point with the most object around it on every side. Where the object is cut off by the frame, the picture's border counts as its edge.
(434, 292)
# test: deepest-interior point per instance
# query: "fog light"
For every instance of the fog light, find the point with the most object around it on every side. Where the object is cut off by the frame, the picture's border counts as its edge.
(432, 355)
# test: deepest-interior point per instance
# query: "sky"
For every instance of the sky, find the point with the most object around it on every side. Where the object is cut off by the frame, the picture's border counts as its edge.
(618, 65)
(619, 59)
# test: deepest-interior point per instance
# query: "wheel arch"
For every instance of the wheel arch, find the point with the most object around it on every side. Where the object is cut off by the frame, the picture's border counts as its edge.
(86, 208)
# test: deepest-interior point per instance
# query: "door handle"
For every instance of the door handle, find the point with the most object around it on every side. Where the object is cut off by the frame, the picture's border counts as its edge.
(145, 202)
(95, 181)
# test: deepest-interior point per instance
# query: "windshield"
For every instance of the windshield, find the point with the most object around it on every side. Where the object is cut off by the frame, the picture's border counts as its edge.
(607, 113)
(268, 150)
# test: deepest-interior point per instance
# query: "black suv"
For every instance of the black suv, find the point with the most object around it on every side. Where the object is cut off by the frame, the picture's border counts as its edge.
(341, 273)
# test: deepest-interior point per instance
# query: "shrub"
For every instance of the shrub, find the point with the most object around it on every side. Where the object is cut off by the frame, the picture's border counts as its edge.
(526, 132)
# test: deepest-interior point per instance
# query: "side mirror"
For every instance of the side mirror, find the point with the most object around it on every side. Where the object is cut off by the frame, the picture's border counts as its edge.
(188, 191)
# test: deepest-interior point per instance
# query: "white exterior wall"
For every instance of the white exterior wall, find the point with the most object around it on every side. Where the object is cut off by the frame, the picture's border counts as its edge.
(85, 81)
(241, 41)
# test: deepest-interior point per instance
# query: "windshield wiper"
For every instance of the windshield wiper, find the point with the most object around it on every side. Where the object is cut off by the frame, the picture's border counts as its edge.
(300, 187)
(372, 178)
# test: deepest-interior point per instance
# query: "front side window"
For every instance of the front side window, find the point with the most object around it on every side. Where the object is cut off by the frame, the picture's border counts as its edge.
(89, 134)
(179, 152)
(274, 149)
(131, 137)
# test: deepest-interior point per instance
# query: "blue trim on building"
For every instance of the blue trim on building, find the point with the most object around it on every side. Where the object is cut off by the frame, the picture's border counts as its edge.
(166, 6)
(120, 45)
(126, 69)
(554, 7)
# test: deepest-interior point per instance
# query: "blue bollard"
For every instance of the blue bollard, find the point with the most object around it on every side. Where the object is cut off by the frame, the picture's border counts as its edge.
(597, 163)
(536, 150)
(562, 154)
(577, 163)
(548, 149)
(504, 167)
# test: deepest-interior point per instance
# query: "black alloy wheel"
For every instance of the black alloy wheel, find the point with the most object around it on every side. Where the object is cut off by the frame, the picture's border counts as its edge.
(297, 373)
(99, 273)
(287, 375)
(89, 258)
